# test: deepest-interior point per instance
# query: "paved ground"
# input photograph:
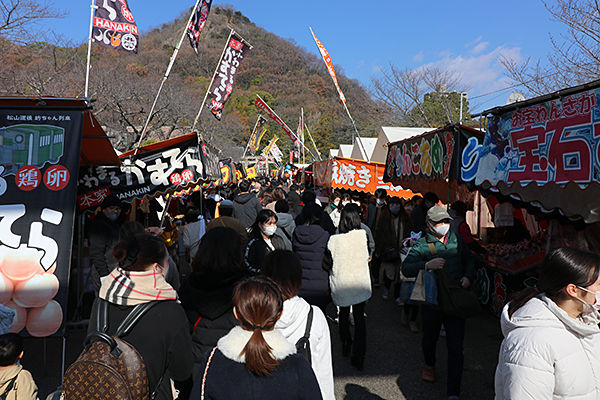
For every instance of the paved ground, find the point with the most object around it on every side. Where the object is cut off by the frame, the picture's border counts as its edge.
(392, 367)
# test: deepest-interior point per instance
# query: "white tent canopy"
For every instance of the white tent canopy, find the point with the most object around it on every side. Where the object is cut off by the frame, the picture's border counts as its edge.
(390, 134)
(345, 150)
(357, 150)
(333, 153)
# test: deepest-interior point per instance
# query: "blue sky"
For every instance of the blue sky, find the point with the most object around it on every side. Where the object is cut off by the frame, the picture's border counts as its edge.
(463, 35)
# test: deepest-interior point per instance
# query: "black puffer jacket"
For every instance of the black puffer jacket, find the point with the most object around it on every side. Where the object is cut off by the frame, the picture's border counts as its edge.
(309, 242)
(207, 303)
(256, 249)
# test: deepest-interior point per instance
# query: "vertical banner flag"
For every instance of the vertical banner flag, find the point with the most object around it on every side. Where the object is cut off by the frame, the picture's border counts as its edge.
(329, 65)
(197, 23)
(276, 153)
(297, 145)
(260, 103)
(38, 182)
(267, 149)
(257, 134)
(114, 26)
(222, 86)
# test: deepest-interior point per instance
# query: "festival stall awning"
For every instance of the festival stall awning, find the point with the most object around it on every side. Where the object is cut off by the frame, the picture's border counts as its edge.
(439, 161)
(544, 152)
(96, 148)
(350, 174)
(161, 167)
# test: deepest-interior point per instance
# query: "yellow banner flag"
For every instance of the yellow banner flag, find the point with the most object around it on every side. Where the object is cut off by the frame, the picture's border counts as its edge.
(267, 149)
(257, 134)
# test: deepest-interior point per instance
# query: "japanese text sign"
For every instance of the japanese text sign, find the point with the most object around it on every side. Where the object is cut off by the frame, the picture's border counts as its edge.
(556, 141)
(357, 175)
(222, 86)
(115, 27)
(38, 182)
(154, 171)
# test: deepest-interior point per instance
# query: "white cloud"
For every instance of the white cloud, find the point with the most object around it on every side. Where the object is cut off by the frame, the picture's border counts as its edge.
(482, 72)
(418, 57)
(479, 48)
(360, 64)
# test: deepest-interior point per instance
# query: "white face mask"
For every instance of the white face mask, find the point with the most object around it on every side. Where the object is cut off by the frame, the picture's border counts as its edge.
(440, 230)
(379, 202)
(269, 230)
(587, 307)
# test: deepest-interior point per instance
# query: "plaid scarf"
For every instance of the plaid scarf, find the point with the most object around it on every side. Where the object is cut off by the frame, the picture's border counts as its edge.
(130, 288)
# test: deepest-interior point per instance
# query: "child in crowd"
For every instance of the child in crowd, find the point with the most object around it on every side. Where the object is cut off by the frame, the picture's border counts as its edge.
(16, 383)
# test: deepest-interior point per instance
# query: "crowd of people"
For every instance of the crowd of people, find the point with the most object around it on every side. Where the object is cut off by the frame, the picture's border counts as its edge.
(267, 261)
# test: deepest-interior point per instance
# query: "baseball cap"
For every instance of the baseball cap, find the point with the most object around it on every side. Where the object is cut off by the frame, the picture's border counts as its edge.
(438, 213)
(226, 204)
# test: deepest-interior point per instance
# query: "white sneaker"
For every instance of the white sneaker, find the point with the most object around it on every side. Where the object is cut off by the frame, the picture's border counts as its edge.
(399, 302)
(385, 294)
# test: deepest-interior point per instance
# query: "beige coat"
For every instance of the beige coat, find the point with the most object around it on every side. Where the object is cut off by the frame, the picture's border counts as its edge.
(24, 388)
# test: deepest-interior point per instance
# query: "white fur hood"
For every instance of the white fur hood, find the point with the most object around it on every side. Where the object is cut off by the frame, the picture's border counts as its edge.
(232, 344)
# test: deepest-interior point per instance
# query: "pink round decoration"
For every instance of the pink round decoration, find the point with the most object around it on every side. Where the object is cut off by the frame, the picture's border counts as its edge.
(36, 291)
(44, 321)
(6, 289)
(22, 263)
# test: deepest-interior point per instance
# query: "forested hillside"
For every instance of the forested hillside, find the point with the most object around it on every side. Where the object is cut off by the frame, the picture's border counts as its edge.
(123, 85)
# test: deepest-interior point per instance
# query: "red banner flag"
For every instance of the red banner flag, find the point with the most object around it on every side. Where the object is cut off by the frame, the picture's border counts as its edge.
(260, 103)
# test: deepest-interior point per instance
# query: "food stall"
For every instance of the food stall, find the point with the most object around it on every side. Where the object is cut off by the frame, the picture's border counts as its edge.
(341, 173)
(541, 155)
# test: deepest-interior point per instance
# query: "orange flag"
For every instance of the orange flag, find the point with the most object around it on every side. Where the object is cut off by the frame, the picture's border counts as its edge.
(329, 64)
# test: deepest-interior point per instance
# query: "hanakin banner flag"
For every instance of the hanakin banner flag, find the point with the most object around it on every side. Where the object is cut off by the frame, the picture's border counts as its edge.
(222, 86)
(197, 23)
(257, 134)
(260, 103)
(267, 149)
(114, 26)
(329, 65)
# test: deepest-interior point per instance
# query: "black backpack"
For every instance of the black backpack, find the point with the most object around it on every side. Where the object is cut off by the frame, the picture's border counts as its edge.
(303, 344)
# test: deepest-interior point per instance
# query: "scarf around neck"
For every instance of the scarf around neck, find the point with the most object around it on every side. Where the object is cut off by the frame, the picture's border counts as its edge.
(130, 288)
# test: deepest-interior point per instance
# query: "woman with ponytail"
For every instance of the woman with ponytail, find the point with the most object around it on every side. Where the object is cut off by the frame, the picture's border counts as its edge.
(162, 334)
(551, 335)
(254, 361)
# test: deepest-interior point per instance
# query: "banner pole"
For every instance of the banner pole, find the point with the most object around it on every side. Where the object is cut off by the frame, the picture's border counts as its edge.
(93, 8)
(167, 73)
(357, 134)
(295, 134)
(212, 80)
(313, 142)
(302, 133)
(252, 134)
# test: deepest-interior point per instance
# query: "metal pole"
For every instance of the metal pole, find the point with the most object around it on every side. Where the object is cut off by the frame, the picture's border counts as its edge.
(313, 142)
(212, 80)
(93, 7)
(251, 135)
(171, 62)
(357, 134)
(461, 106)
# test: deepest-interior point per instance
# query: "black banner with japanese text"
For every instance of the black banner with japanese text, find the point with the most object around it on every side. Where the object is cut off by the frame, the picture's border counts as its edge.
(38, 183)
(222, 86)
(197, 23)
(114, 26)
(158, 170)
